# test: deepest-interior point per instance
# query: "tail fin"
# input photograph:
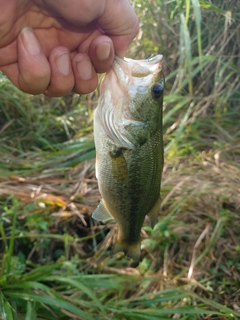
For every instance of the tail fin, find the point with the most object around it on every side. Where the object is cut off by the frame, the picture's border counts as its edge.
(131, 250)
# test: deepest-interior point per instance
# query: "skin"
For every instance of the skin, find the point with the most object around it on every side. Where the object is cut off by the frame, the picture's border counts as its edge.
(56, 47)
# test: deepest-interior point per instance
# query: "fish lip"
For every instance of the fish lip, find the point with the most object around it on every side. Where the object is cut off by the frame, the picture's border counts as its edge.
(155, 58)
(152, 59)
(137, 68)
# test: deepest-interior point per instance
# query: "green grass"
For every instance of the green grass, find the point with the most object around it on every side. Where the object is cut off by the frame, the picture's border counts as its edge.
(55, 261)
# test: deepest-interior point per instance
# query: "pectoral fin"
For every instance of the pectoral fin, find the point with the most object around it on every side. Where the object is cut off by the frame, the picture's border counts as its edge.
(137, 132)
(153, 213)
(101, 213)
(118, 165)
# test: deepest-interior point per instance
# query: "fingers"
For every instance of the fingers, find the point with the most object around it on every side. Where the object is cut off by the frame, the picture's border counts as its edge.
(37, 74)
(86, 79)
(58, 75)
(62, 72)
(34, 70)
(62, 77)
(101, 52)
(99, 59)
(116, 18)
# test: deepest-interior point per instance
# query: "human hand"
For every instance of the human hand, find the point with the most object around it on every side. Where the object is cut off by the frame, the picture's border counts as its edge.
(55, 47)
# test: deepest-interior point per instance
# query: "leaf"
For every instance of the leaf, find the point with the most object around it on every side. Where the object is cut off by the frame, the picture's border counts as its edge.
(5, 309)
(51, 301)
(52, 200)
(31, 313)
(39, 272)
(197, 12)
(8, 311)
(79, 285)
(157, 313)
(185, 50)
(33, 285)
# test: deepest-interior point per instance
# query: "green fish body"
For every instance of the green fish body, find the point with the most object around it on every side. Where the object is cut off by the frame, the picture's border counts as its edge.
(129, 148)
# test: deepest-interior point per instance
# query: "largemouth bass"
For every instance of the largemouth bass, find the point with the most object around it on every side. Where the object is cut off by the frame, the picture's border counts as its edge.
(129, 148)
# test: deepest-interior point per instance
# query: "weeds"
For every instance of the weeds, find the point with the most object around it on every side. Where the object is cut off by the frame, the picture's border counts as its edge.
(55, 262)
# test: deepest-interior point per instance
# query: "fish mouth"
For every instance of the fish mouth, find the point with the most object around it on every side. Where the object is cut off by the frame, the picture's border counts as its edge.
(135, 72)
(128, 76)
(138, 68)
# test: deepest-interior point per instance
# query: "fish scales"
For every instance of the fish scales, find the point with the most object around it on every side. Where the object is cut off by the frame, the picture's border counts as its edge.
(129, 147)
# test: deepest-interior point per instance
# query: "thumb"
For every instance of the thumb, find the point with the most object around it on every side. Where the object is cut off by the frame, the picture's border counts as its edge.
(119, 21)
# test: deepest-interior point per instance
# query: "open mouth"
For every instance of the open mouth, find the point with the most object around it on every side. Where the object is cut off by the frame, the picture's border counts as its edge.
(138, 69)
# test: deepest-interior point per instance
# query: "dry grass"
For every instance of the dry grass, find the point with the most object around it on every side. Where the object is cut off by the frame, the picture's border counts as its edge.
(196, 241)
(47, 180)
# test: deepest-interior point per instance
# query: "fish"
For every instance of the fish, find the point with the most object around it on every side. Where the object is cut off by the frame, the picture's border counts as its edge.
(129, 148)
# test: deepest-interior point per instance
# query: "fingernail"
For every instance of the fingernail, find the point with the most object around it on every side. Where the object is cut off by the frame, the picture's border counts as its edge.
(30, 41)
(84, 68)
(103, 50)
(63, 63)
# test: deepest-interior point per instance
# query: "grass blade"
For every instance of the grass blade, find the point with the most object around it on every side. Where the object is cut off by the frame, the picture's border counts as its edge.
(79, 285)
(51, 301)
(197, 12)
(31, 312)
(185, 51)
(5, 308)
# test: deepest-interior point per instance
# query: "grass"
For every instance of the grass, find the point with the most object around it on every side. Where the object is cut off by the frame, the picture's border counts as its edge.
(55, 261)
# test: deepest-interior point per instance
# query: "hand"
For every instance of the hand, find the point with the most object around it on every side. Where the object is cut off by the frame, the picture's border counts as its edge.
(55, 47)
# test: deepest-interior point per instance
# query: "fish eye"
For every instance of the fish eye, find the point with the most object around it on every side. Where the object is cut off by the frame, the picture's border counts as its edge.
(157, 90)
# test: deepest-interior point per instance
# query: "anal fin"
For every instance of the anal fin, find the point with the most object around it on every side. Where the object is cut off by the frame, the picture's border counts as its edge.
(101, 213)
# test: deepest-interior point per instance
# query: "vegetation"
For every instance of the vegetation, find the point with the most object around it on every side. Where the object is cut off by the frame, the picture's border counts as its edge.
(55, 261)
